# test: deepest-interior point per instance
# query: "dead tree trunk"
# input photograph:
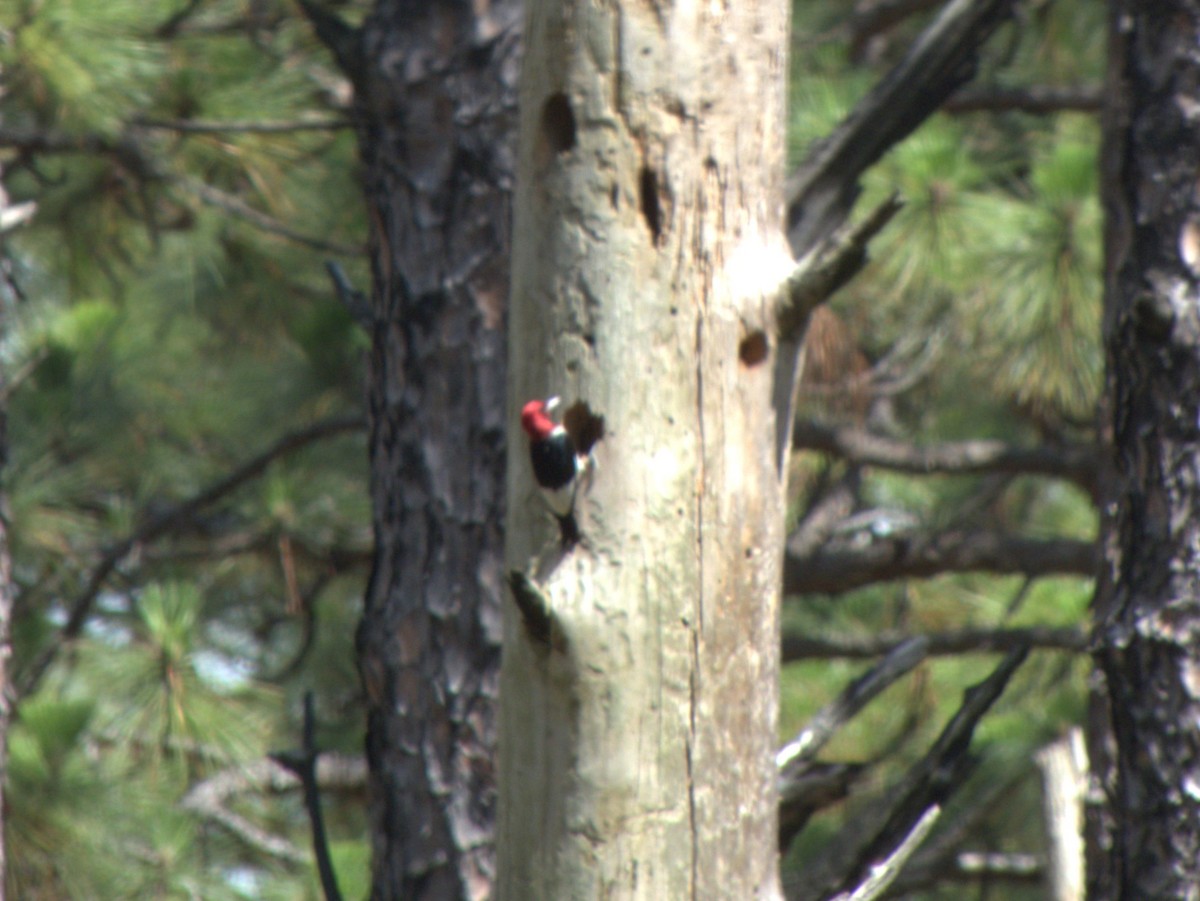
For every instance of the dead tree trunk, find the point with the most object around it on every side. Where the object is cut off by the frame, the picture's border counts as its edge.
(639, 694)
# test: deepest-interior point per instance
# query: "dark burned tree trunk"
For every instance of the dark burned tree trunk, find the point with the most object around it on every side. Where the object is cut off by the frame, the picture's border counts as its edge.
(1146, 740)
(436, 85)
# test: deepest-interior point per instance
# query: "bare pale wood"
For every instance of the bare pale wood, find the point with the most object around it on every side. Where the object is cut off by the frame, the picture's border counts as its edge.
(639, 685)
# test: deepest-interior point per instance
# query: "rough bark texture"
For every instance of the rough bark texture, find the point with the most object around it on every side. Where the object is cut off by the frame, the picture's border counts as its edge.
(435, 103)
(1148, 602)
(639, 685)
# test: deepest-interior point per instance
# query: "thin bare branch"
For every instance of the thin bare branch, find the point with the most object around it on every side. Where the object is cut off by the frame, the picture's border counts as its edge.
(123, 149)
(12, 382)
(829, 266)
(1077, 464)
(304, 765)
(830, 504)
(798, 646)
(868, 843)
(255, 836)
(900, 660)
(941, 857)
(235, 206)
(160, 524)
(804, 785)
(13, 215)
(843, 566)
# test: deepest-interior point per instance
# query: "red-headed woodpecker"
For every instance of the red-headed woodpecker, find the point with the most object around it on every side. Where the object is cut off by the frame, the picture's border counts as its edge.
(556, 463)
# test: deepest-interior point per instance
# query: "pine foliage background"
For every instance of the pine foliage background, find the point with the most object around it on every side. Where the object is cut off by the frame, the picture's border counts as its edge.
(174, 322)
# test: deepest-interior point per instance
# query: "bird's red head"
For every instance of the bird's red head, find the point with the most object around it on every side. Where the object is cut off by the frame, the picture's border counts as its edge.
(535, 419)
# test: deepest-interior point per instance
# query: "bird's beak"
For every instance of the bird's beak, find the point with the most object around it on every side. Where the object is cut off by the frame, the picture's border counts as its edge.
(551, 403)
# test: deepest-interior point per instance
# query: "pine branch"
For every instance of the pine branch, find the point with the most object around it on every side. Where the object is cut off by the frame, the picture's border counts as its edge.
(162, 523)
(798, 646)
(1075, 463)
(235, 206)
(332, 558)
(128, 153)
(841, 567)
(196, 126)
(124, 149)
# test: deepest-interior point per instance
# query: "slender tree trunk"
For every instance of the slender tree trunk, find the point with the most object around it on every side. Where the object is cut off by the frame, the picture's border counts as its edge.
(10, 217)
(6, 610)
(435, 99)
(639, 688)
(1146, 844)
